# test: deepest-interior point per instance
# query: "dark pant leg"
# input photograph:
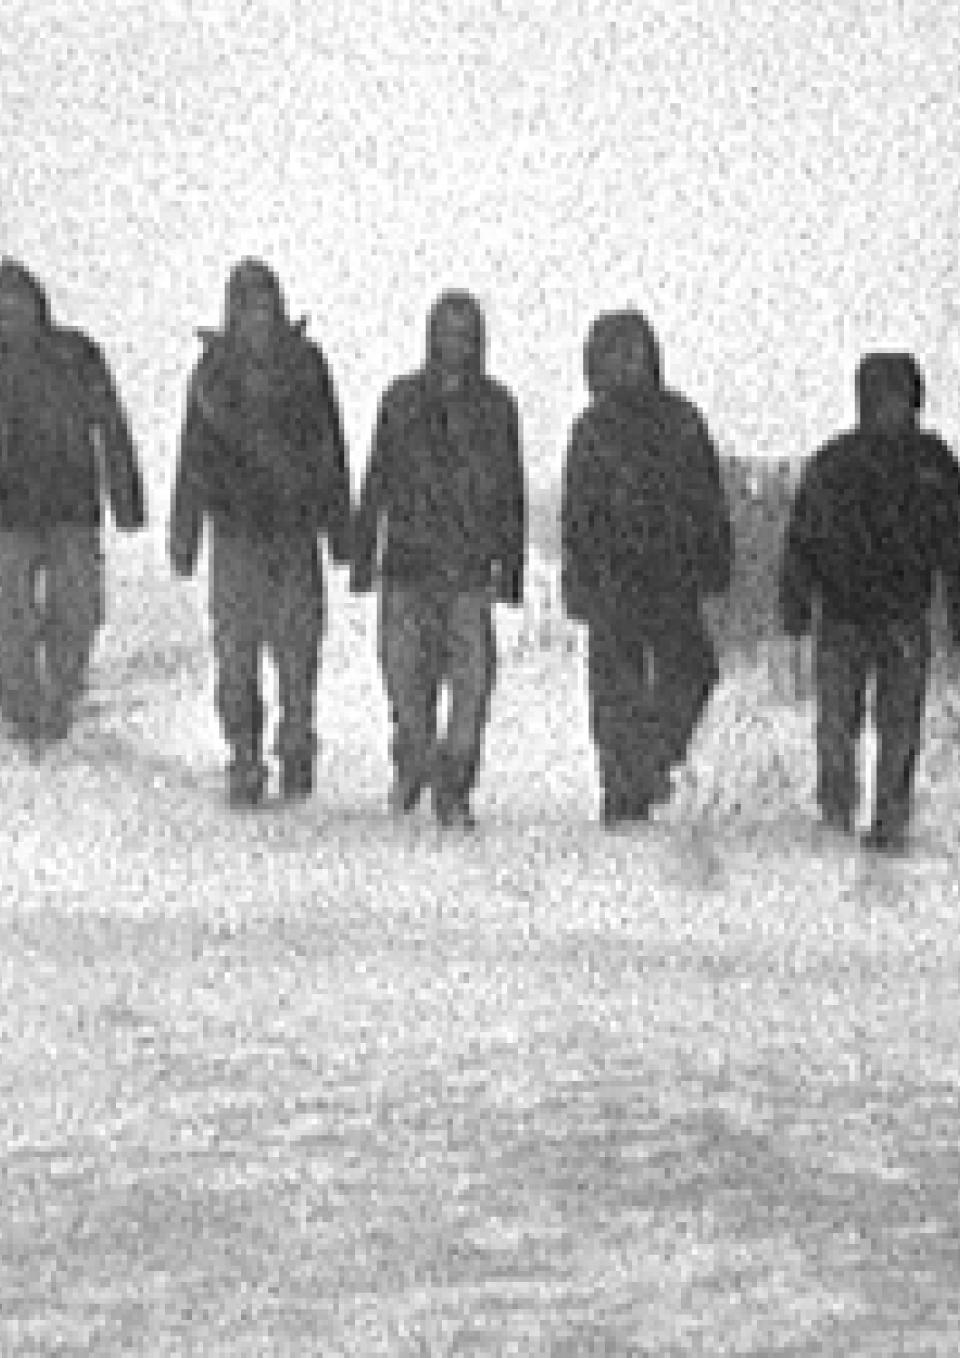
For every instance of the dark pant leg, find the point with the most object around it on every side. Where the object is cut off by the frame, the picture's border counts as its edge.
(75, 612)
(902, 668)
(483, 709)
(624, 720)
(294, 621)
(653, 698)
(238, 581)
(410, 656)
(606, 701)
(469, 668)
(22, 630)
(430, 640)
(686, 671)
(842, 660)
(384, 598)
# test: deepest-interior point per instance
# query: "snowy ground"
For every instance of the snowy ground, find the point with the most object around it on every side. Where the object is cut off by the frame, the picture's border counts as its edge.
(312, 1082)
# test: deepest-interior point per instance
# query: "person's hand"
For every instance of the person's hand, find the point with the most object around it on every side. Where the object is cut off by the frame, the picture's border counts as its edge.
(361, 579)
(182, 560)
(184, 544)
(795, 622)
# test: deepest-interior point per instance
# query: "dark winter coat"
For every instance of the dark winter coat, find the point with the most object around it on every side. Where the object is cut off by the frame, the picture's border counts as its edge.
(875, 516)
(645, 524)
(446, 476)
(55, 392)
(262, 451)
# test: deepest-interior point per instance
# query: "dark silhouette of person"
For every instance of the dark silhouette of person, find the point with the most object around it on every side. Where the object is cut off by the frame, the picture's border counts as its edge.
(65, 446)
(646, 536)
(263, 458)
(876, 515)
(445, 489)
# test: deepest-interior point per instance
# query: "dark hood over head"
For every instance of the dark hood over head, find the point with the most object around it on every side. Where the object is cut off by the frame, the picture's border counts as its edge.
(461, 309)
(880, 373)
(248, 279)
(621, 353)
(17, 280)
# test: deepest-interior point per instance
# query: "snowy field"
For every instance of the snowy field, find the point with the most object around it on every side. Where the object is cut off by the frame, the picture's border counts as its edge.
(313, 1082)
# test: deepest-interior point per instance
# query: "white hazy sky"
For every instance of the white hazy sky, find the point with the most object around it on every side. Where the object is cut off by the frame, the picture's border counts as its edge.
(776, 184)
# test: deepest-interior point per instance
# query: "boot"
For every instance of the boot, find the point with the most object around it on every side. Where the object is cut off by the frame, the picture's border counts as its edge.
(617, 811)
(412, 764)
(404, 795)
(622, 805)
(457, 814)
(296, 777)
(889, 839)
(451, 795)
(661, 794)
(836, 817)
(837, 799)
(47, 725)
(410, 780)
(630, 799)
(889, 832)
(246, 781)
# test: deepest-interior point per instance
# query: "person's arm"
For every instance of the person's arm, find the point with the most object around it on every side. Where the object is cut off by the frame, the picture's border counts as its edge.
(947, 531)
(513, 513)
(110, 428)
(709, 510)
(124, 478)
(580, 519)
(334, 477)
(374, 496)
(797, 579)
(187, 508)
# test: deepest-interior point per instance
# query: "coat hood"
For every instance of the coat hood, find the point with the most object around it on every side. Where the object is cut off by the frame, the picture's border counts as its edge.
(248, 279)
(881, 373)
(17, 280)
(615, 335)
(463, 309)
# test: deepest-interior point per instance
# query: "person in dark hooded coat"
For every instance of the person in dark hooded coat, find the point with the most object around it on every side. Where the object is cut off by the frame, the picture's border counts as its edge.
(66, 444)
(442, 516)
(875, 517)
(646, 535)
(263, 459)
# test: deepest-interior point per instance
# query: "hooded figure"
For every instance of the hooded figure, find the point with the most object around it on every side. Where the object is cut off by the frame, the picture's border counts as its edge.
(444, 501)
(65, 444)
(646, 535)
(621, 354)
(20, 290)
(263, 460)
(882, 376)
(875, 517)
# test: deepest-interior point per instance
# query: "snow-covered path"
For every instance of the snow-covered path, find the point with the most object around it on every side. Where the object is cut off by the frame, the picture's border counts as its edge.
(313, 1082)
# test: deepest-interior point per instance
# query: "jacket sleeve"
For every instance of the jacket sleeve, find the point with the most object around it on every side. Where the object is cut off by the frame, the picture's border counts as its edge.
(582, 574)
(513, 511)
(797, 563)
(374, 497)
(109, 427)
(334, 480)
(188, 504)
(947, 531)
(713, 545)
(124, 479)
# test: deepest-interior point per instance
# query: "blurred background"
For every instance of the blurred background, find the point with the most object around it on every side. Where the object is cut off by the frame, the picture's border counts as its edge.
(777, 186)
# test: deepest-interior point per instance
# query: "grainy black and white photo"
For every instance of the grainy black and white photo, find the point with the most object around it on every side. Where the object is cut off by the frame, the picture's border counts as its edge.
(479, 678)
